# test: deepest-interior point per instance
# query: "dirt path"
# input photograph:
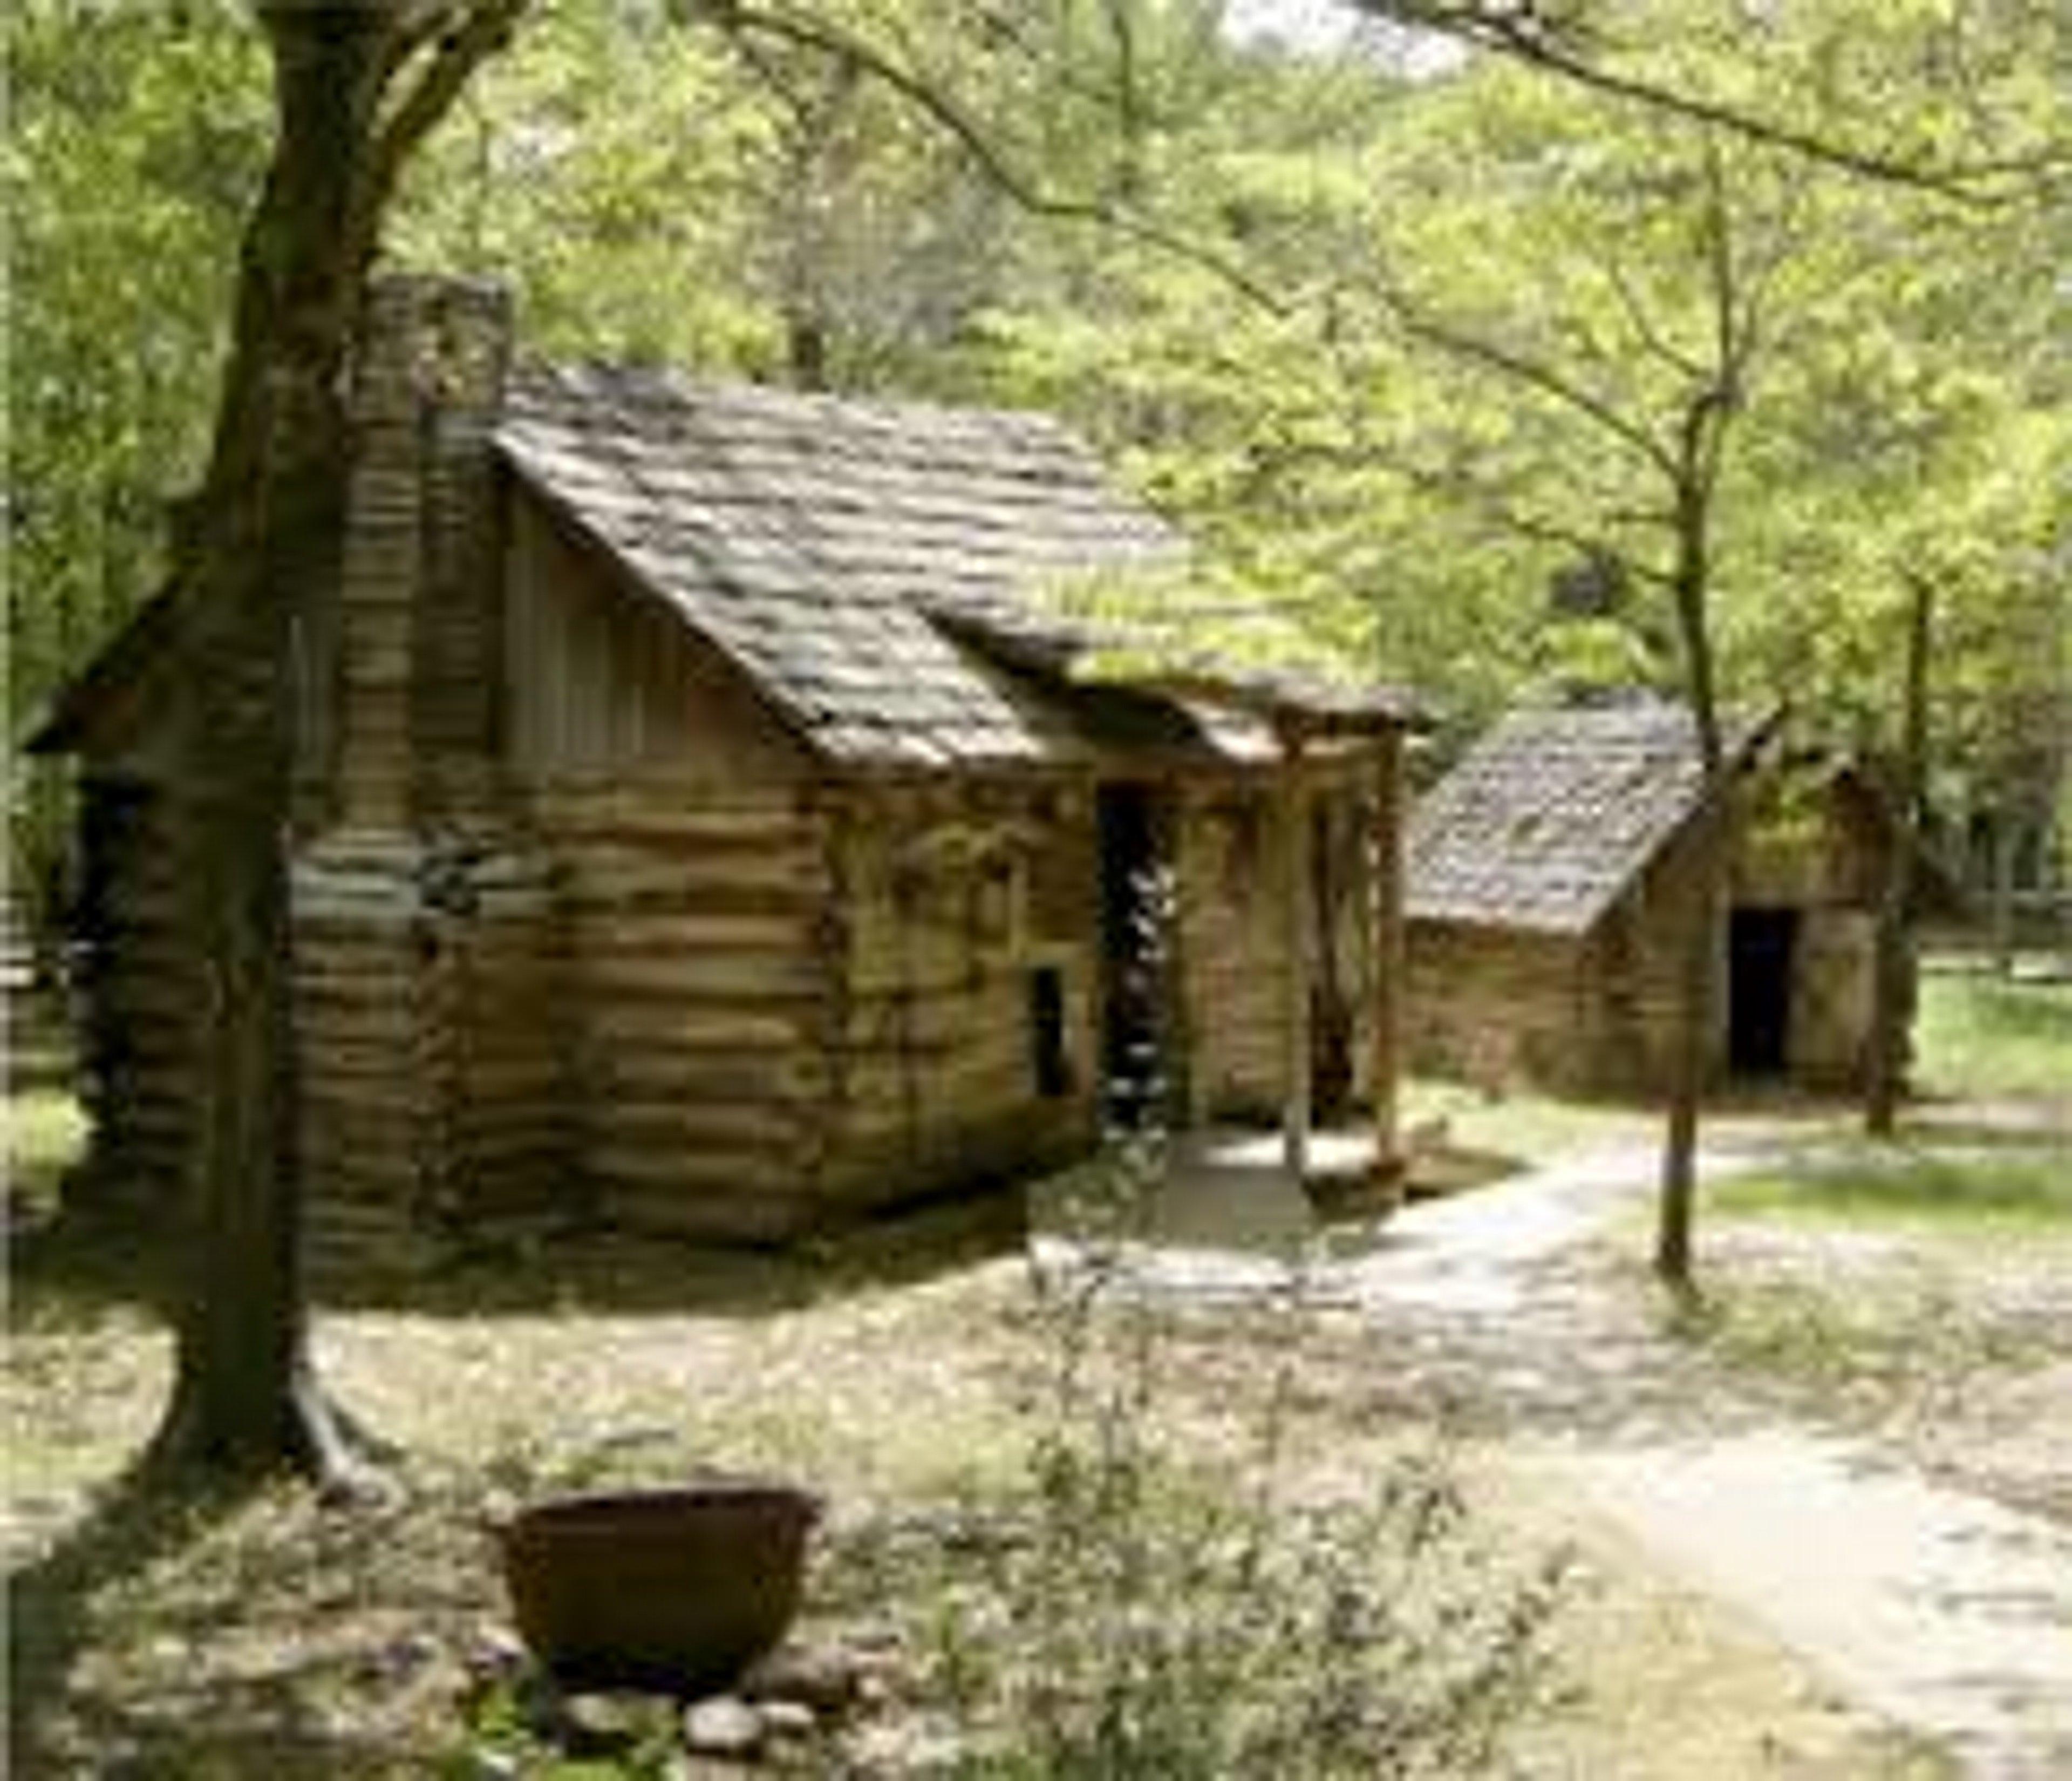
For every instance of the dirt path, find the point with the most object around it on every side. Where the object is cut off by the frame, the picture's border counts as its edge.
(1945, 1614)
(1503, 1311)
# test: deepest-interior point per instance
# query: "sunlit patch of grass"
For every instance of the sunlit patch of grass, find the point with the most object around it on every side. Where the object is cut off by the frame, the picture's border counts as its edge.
(1978, 1035)
(46, 1132)
(1992, 1193)
(1532, 1128)
(1871, 1343)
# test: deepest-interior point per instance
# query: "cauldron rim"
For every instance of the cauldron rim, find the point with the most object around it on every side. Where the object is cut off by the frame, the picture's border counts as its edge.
(603, 1511)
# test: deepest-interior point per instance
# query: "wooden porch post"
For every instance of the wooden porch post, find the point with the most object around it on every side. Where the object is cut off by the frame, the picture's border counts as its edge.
(1390, 959)
(1295, 902)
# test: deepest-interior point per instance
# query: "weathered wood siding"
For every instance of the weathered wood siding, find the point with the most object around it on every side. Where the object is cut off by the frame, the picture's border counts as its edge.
(433, 1102)
(1826, 1045)
(142, 992)
(1230, 944)
(780, 998)
(1817, 844)
(1632, 965)
(1586, 1015)
(689, 852)
(787, 1005)
(602, 680)
(694, 1000)
(946, 901)
(1500, 1008)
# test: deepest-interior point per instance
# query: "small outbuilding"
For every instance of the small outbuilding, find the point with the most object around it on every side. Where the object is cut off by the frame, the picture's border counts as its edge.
(1552, 877)
(708, 821)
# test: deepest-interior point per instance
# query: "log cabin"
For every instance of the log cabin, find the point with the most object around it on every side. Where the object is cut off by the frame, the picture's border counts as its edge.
(1551, 877)
(708, 821)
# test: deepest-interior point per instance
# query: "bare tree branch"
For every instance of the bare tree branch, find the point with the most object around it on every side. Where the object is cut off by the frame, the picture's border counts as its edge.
(1550, 37)
(746, 21)
(471, 35)
(1420, 324)
(1650, 337)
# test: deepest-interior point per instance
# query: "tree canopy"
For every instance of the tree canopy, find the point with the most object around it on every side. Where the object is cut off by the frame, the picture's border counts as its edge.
(1658, 340)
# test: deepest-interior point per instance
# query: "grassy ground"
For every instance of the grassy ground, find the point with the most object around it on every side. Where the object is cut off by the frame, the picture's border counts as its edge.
(271, 1636)
(1916, 1187)
(1951, 1351)
(1979, 1035)
(1923, 1289)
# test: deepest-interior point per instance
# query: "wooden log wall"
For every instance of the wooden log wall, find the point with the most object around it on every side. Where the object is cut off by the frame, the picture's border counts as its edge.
(427, 932)
(1819, 844)
(947, 900)
(1497, 1007)
(787, 1003)
(458, 642)
(1635, 972)
(1598, 1015)
(1827, 1040)
(1232, 944)
(1587, 1015)
(434, 1111)
(372, 1156)
(140, 994)
(696, 992)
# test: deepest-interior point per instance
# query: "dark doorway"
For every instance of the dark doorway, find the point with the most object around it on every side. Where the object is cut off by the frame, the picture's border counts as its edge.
(1133, 897)
(1760, 945)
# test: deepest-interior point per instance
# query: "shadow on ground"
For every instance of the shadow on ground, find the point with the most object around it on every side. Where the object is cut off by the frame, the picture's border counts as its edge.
(70, 1268)
(61, 1608)
(243, 1633)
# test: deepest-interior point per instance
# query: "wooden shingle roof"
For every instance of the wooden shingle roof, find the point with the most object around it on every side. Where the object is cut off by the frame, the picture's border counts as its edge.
(816, 542)
(1554, 813)
(880, 572)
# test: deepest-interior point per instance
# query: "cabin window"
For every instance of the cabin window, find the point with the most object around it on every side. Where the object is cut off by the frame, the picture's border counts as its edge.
(1052, 1067)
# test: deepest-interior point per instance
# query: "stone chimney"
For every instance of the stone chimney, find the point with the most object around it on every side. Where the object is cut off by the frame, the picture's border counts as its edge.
(419, 643)
(424, 919)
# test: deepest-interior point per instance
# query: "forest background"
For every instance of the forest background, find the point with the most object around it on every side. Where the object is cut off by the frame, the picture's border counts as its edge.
(1407, 337)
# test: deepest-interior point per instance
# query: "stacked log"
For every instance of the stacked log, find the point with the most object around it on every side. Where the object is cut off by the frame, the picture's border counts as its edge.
(1633, 971)
(494, 988)
(1829, 1041)
(142, 992)
(371, 1149)
(1500, 1007)
(950, 900)
(432, 1107)
(697, 990)
(457, 640)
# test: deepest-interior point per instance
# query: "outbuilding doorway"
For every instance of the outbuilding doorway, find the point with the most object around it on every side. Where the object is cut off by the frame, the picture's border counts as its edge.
(1761, 946)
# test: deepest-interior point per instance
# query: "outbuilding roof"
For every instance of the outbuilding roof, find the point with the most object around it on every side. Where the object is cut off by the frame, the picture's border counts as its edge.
(1555, 812)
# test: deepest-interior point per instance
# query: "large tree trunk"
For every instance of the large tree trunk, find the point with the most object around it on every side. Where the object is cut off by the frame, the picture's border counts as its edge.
(1891, 1001)
(1697, 986)
(265, 549)
(1692, 1060)
(357, 85)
